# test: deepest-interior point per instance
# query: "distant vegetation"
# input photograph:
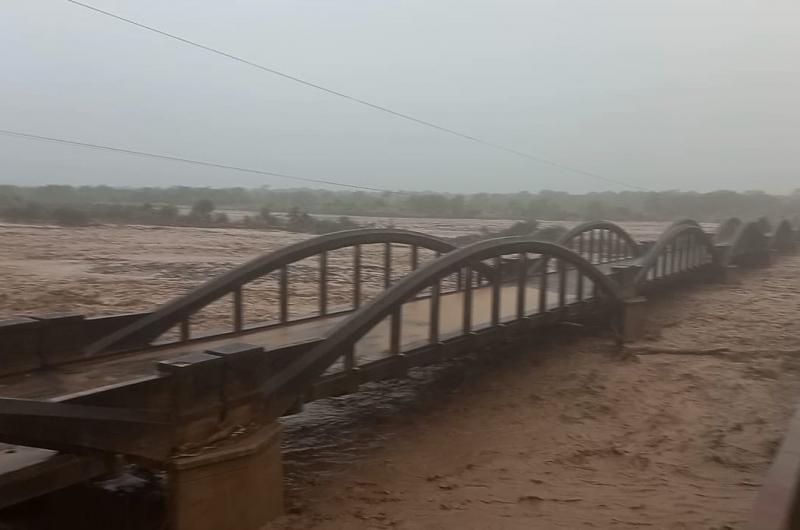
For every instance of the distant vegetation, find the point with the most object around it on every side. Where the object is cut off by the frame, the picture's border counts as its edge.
(185, 206)
(201, 214)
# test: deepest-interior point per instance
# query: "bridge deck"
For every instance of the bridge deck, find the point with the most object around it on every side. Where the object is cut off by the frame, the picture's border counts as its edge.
(58, 383)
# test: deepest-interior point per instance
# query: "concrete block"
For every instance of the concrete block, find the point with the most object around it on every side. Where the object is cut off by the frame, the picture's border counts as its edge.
(62, 338)
(196, 382)
(245, 369)
(19, 345)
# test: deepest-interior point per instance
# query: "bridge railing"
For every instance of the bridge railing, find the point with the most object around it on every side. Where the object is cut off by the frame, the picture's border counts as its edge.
(49, 340)
(601, 242)
(366, 275)
(682, 250)
(748, 246)
(441, 325)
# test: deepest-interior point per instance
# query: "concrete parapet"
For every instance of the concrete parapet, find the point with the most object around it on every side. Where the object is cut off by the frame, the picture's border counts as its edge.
(31, 342)
(61, 337)
(19, 346)
(196, 401)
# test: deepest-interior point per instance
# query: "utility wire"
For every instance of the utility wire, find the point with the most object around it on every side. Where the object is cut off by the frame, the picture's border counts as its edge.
(362, 101)
(186, 160)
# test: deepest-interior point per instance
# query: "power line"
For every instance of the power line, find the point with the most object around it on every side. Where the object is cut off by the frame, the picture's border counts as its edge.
(362, 101)
(186, 160)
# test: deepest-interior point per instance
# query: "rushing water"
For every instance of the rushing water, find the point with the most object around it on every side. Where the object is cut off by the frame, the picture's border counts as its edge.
(329, 433)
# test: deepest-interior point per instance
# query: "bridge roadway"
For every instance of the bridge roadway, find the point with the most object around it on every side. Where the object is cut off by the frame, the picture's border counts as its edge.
(61, 383)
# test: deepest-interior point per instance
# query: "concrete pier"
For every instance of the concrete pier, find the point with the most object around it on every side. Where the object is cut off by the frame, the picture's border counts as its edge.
(238, 486)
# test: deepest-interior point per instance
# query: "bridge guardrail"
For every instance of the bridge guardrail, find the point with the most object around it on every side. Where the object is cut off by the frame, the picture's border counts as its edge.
(178, 311)
(41, 341)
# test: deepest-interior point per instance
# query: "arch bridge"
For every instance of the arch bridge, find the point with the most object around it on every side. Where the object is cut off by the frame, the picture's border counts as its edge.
(156, 387)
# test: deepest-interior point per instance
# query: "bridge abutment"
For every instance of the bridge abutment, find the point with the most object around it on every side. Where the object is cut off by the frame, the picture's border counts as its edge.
(238, 485)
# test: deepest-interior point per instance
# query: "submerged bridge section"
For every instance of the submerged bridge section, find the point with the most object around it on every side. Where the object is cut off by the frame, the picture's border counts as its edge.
(77, 393)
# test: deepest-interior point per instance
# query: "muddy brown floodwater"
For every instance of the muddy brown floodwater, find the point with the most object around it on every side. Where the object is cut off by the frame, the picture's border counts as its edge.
(567, 433)
(672, 434)
(114, 269)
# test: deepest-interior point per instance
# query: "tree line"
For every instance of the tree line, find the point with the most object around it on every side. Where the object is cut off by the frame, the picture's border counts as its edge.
(163, 204)
(201, 214)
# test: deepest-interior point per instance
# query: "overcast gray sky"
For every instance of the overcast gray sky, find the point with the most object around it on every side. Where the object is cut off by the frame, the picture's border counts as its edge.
(677, 94)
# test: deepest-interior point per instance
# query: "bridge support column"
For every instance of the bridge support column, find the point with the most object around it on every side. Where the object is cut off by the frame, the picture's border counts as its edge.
(634, 319)
(625, 276)
(238, 485)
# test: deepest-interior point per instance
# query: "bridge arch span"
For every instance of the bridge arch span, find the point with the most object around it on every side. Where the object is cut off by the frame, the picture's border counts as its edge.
(177, 311)
(684, 222)
(601, 242)
(749, 246)
(340, 342)
(727, 230)
(783, 238)
(684, 247)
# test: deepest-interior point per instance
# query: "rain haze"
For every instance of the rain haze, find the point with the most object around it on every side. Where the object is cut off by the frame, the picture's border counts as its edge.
(435, 264)
(691, 95)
